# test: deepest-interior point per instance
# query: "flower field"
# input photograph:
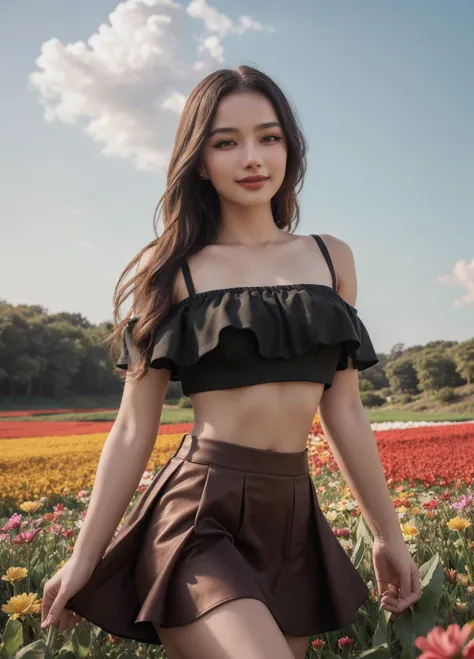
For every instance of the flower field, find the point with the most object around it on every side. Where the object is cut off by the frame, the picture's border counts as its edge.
(48, 469)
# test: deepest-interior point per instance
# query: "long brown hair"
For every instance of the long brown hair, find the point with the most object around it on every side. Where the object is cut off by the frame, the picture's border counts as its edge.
(191, 206)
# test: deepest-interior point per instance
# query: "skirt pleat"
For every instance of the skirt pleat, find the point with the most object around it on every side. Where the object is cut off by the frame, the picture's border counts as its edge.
(219, 522)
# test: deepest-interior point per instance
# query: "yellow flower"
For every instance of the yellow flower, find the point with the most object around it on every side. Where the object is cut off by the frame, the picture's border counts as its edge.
(22, 605)
(30, 506)
(15, 574)
(60, 565)
(461, 606)
(458, 523)
(409, 531)
(415, 510)
(403, 509)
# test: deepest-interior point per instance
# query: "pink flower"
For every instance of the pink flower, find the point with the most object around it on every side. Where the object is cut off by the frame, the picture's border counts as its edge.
(13, 523)
(444, 644)
(55, 529)
(25, 537)
(462, 503)
(3, 536)
(468, 652)
(341, 533)
(318, 644)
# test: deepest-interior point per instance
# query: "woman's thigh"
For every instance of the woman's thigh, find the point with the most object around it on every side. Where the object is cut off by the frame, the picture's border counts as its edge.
(232, 630)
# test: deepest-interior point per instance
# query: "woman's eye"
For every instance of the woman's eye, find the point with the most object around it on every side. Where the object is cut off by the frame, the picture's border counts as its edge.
(277, 139)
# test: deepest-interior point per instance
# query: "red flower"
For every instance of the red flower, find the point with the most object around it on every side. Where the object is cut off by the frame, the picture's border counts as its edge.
(345, 642)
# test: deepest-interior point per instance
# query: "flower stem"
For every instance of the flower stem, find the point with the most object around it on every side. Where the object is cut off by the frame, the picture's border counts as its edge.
(465, 555)
(51, 635)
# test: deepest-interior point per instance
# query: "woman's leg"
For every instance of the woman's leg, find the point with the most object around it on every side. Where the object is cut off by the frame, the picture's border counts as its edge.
(232, 630)
(298, 645)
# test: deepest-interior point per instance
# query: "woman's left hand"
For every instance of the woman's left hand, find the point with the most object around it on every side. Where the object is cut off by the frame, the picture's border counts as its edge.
(398, 577)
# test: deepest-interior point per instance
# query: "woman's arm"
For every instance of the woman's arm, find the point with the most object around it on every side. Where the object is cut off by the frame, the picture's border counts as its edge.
(122, 462)
(347, 428)
(124, 456)
(352, 442)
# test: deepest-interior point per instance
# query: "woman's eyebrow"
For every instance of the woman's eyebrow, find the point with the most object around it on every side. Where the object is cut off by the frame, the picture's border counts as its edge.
(269, 124)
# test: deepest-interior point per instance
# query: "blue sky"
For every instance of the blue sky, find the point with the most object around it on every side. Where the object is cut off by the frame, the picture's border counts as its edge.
(384, 94)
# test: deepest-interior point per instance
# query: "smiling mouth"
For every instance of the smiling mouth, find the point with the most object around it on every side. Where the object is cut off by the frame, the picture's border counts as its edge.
(253, 183)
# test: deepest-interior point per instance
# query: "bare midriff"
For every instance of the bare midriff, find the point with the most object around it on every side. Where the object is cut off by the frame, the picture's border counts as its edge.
(273, 416)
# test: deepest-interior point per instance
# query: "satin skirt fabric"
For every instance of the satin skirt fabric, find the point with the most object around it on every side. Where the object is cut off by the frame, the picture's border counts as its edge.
(219, 522)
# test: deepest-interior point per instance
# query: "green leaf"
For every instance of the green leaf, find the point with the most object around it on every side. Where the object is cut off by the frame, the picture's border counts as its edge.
(380, 652)
(96, 651)
(34, 558)
(67, 652)
(80, 640)
(380, 635)
(421, 617)
(95, 630)
(432, 579)
(407, 653)
(36, 650)
(12, 637)
(358, 553)
(363, 532)
(37, 574)
(410, 624)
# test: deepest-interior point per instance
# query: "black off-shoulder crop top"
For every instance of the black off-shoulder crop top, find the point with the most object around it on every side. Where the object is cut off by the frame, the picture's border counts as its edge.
(240, 336)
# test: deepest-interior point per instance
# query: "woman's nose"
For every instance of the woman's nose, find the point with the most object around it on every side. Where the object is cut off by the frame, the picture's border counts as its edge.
(252, 156)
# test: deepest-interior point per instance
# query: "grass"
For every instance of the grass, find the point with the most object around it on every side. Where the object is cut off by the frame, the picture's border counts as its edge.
(422, 408)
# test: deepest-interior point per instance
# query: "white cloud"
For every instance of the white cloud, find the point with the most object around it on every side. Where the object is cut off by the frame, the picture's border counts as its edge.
(463, 275)
(128, 83)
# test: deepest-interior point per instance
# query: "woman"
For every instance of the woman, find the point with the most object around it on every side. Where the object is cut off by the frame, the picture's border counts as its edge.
(227, 553)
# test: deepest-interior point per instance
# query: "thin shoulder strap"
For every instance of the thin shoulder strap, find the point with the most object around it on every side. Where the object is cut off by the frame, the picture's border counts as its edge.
(327, 256)
(187, 278)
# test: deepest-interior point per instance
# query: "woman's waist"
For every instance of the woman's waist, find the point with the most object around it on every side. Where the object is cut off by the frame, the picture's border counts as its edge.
(278, 419)
(230, 455)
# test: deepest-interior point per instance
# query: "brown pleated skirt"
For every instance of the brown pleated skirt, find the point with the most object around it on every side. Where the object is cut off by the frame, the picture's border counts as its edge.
(220, 522)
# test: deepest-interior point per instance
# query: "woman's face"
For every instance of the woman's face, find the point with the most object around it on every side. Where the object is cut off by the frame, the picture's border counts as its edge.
(245, 150)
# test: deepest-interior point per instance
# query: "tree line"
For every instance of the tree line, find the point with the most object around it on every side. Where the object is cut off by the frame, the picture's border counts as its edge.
(49, 355)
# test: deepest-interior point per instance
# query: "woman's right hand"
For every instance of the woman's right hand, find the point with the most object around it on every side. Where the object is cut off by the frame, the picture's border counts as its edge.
(58, 590)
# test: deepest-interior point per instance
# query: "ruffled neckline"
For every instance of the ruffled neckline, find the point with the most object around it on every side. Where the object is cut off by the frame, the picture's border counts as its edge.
(277, 288)
(287, 321)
